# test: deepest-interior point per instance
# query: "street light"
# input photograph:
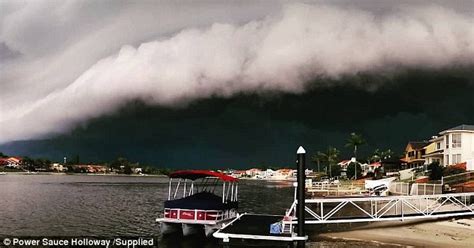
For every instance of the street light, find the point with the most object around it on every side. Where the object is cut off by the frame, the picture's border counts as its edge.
(353, 160)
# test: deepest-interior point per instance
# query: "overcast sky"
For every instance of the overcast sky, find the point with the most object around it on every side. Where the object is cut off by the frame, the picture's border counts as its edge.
(67, 63)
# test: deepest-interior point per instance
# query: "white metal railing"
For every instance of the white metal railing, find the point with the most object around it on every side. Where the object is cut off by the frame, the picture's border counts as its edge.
(369, 209)
(336, 188)
(399, 188)
(457, 178)
(426, 189)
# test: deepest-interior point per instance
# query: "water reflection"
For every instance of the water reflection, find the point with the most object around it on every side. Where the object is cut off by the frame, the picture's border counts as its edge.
(111, 206)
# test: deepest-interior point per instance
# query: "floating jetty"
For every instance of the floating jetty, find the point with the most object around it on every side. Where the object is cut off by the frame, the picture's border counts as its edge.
(255, 227)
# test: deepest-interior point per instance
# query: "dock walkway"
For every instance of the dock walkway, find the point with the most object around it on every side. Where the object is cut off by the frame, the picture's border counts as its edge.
(255, 227)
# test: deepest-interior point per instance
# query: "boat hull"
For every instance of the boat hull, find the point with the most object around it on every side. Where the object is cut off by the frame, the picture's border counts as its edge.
(170, 228)
(192, 229)
(210, 229)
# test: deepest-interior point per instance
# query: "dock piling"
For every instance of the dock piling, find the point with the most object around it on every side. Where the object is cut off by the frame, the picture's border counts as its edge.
(300, 208)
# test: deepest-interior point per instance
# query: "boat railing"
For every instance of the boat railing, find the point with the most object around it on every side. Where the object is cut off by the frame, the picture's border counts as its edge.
(183, 188)
(198, 214)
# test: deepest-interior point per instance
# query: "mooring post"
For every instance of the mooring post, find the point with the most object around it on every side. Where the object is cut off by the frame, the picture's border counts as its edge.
(301, 160)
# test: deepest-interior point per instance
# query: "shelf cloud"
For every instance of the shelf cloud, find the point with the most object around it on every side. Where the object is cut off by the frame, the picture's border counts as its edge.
(50, 89)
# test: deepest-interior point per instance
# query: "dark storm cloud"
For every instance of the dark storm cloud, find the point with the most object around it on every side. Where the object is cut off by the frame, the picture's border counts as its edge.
(81, 60)
(254, 129)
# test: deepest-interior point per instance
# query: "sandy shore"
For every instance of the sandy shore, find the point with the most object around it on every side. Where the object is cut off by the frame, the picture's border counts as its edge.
(445, 233)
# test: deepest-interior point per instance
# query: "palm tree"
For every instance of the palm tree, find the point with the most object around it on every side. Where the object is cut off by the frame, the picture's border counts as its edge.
(386, 154)
(376, 156)
(354, 141)
(331, 157)
(318, 158)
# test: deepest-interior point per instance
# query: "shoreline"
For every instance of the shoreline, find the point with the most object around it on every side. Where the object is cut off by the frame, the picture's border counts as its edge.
(436, 233)
(22, 173)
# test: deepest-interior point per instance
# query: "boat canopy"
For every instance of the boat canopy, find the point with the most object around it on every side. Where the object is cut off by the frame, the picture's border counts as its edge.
(196, 174)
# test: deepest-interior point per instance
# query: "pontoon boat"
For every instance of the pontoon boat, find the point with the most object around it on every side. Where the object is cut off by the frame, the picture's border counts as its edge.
(196, 203)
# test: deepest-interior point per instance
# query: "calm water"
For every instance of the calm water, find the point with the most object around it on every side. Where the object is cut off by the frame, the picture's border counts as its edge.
(60, 205)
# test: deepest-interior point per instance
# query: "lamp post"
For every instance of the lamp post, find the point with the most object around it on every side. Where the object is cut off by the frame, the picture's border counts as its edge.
(353, 160)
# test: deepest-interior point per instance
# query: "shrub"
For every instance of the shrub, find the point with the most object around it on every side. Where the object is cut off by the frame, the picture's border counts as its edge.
(436, 171)
(454, 169)
(351, 169)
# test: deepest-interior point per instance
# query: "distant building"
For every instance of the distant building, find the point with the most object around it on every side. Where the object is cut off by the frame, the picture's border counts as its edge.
(458, 144)
(375, 165)
(285, 172)
(138, 170)
(391, 166)
(11, 162)
(268, 173)
(92, 168)
(238, 173)
(414, 154)
(344, 164)
(253, 172)
(57, 167)
(3, 161)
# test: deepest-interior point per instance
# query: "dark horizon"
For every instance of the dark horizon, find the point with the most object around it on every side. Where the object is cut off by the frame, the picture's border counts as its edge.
(235, 83)
(249, 130)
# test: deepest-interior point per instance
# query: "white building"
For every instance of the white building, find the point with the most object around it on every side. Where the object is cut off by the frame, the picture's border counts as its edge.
(452, 146)
(57, 167)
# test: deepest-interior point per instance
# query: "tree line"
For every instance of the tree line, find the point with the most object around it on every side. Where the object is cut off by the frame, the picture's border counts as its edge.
(327, 161)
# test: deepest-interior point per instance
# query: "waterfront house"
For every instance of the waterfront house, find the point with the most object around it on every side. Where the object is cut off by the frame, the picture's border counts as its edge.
(238, 173)
(375, 165)
(434, 150)
(414, 154)
(391, 166)
(458, 144)
(253, 172)
(344, 164)
(13, 162)
(452, 146)
(268, 173)
(285, 172)
(92, 168)
(57, 167)
(3, 161)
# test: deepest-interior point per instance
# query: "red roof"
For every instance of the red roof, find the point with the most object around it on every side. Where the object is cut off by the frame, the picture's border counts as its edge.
(3, 161)
(376, 164)
(196, 174)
